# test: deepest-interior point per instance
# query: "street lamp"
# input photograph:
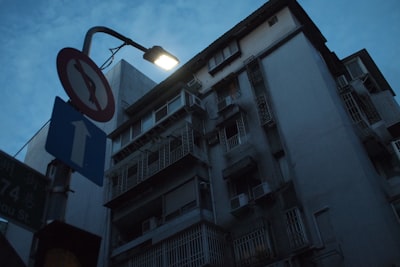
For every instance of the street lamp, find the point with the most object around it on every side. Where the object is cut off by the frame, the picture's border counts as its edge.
(91, 94)
(156, 55)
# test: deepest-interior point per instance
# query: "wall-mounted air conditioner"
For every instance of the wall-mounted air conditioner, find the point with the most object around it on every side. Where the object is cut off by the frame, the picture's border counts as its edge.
(149, 224)
(194, 84)
(224, 103)
(239, 201)
(261, 190)
(195, 103)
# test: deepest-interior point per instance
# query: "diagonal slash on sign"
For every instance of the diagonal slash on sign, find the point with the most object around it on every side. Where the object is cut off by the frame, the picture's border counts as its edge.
(90, 85)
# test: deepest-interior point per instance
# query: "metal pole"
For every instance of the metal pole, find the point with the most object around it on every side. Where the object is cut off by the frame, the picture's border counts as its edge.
(93, 30)
(57, 203)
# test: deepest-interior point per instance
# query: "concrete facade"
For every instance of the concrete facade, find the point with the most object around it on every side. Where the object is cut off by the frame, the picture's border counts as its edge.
(266, 150)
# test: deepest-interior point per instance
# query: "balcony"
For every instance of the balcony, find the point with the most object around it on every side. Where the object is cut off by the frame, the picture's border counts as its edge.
(201, 244)
(254, 247)
(147, 167)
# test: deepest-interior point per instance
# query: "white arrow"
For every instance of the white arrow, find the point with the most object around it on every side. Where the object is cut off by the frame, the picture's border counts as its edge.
(79, 142)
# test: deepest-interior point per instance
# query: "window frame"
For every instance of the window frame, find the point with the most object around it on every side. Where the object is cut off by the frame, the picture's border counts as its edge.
(221, 58)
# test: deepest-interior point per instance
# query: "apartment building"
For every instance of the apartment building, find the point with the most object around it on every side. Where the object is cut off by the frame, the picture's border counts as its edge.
(265, 149)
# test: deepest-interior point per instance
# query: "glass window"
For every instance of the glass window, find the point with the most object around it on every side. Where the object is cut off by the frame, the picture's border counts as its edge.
(211, 63)
(147, 122)
(355, 69)
(218, 58)
(116, 144)
(233, 47)
(136, 129)
(227, 52)
(125, 137)
(174, 105)
(161, 113)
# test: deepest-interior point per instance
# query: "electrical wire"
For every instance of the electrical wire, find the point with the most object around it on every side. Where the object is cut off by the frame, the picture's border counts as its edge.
(110, 60)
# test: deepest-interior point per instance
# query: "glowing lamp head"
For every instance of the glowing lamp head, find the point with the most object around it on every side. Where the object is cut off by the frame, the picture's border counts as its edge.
(161, 58)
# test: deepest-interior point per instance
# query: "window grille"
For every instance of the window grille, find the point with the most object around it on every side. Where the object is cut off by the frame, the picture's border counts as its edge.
(233, 134)
(198, 246)
(356, 115)
(264, 111)
(125, 176)
(295, 228)
(253, 248)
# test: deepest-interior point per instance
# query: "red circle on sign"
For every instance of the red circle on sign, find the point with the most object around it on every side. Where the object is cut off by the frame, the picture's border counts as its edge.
(85, 84)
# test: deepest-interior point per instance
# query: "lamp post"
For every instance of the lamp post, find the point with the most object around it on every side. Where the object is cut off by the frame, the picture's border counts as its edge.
(91, 94)
(92, 79)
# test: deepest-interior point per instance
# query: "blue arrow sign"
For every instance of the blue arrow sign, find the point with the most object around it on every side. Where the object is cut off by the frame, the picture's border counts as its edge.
(76, 141)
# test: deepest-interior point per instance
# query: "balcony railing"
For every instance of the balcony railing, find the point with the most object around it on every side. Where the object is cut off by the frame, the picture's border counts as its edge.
(232, 142)
(120, 182)
(253, 248)
(359, 119)
(200, 245)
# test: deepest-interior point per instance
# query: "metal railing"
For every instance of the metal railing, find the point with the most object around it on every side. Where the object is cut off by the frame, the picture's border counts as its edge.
(195, 247)
(119, 180)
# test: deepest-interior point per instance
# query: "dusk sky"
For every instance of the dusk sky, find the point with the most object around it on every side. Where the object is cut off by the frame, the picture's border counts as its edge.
(32, 33)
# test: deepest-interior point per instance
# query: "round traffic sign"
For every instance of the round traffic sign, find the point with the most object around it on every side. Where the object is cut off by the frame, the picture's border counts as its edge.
(85, 84)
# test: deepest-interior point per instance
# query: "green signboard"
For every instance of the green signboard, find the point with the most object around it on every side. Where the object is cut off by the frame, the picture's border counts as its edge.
(23, 193)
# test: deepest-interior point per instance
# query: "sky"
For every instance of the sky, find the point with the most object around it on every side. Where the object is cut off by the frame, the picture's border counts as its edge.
(34, 31)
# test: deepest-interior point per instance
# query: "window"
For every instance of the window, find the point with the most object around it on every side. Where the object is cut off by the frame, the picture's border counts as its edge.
(147, 121)
(295, 228)
(132, 175)
(125, 137)
(356, 68)
(230, 89)
(180, 200)
(223, 56)
(174, 104)
(153, 163)
(116, 144)
(136, 129)
(233, 134)
(161, 113)
(243, 184)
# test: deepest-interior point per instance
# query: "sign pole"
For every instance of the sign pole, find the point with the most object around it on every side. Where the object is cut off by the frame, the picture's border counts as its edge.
(60, 174)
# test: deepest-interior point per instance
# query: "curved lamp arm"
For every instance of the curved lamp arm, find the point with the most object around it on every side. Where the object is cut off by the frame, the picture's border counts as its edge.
(156, 54)
(92, 31)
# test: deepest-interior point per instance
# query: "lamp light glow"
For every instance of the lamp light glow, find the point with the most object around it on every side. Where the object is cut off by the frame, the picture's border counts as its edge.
(166, 62)
(157, 55)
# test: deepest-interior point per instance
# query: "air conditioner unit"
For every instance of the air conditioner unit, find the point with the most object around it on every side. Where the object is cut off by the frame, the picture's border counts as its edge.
(224, 103)
(261, 190)
(149, 224)
(239, 201)
(194, 84)
(195, 103)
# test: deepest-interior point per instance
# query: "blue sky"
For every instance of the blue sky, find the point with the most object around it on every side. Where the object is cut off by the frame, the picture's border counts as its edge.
(32, 33)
